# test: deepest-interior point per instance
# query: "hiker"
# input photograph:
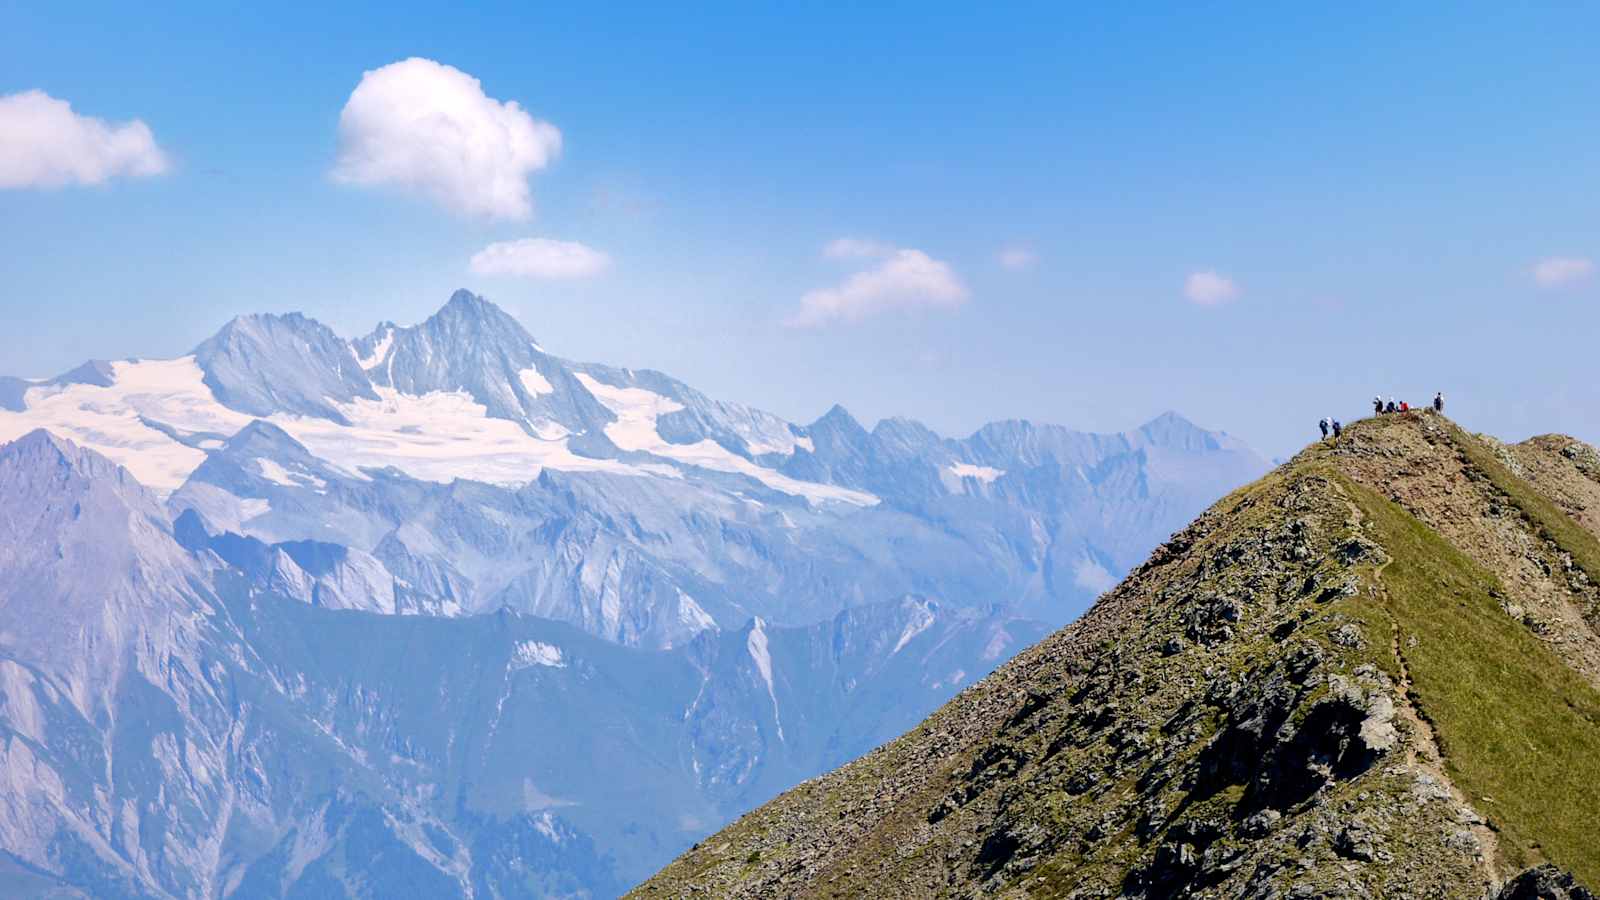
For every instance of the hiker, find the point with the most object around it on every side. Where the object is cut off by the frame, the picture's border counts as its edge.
(1377, 406)
(1337, 429)
(1323, 424)
(1390, 407)
(1438, 402)
(1404, 406)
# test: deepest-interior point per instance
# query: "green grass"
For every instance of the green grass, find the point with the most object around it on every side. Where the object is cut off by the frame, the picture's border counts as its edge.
(1515, 723)
(1547, 519)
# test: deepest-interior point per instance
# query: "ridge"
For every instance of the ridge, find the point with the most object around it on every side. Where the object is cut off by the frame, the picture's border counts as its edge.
(1370, 673)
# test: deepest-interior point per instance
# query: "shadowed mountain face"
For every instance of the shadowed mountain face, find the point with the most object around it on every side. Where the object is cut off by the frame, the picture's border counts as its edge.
(433, 612)
(1375, 672)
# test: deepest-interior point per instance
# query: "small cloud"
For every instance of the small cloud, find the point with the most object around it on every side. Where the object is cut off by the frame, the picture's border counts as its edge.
(430, 129)
(44, 144)
(900, 280)
(856, 248)
(1209, 288)
(1560, 270)
(1017, 258)
(539, 258)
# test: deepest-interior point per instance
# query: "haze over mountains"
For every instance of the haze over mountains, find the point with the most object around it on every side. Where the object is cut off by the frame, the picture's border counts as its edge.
(434, 610)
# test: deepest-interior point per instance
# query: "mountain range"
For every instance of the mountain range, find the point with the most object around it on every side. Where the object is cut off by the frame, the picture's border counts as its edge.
(432, 612)
(1373, 673)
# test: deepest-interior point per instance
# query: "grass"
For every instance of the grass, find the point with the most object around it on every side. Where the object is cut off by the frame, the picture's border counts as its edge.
(1515, 723)
(1548, 519)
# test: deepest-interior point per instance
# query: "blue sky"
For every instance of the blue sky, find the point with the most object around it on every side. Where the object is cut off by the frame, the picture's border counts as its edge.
(1375, 186)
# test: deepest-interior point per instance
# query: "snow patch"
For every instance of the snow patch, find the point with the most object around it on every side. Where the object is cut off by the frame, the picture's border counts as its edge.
(691, 614)
(985, 474)
(111, 420)
(534, 383)
(535, 653)
(545, 824)
(921, 621)
(760, 654)
(380, 352)
(637, 409)
(439, 436)
(277, 474)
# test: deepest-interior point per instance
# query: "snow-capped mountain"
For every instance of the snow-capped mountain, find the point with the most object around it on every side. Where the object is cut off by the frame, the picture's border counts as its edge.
(478, 471)
(432, 609)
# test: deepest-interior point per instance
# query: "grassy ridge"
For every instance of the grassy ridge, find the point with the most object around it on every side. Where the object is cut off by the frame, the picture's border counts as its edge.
(1519, 729)
(1547, 519)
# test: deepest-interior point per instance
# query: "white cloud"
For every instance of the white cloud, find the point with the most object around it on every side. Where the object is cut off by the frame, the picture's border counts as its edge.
(44, 144)
(1017, 258)
(539, 258)
(856, 248)
(429, 128)
(900, 280)
(1209, 288)
(1560, 270)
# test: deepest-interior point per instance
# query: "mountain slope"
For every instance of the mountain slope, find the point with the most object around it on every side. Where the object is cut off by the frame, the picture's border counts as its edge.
(1368, 674)
(185, 713)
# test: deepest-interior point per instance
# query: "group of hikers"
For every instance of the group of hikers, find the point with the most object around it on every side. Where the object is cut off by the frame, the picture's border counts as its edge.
(1380, 407)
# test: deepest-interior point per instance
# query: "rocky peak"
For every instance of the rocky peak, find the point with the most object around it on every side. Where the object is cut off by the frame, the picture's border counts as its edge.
(50, 461)
(1303, 693)
(468, 317)
(264, 364)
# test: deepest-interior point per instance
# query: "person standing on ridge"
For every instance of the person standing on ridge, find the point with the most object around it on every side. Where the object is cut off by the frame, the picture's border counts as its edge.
(1323, 424)
(1337, 429)
(1438, 402)
(1377, 406)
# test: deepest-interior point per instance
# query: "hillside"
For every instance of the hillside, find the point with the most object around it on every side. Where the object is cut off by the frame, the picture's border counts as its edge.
(1374, 672)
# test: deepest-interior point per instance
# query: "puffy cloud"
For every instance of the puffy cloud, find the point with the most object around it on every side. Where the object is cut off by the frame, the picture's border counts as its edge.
(539, 258)
(1559, 270)
(900, 280)
(1017, 258)
(43, 144)
(429, 128)
(1209, 288)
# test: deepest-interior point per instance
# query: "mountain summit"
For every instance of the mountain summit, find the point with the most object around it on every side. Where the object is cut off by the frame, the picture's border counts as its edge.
(1374, 672)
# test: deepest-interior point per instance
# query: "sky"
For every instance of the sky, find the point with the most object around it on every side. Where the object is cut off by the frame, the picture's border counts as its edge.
(957, 213)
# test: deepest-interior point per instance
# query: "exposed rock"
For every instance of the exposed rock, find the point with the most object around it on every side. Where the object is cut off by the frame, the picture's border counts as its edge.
(1543, 883)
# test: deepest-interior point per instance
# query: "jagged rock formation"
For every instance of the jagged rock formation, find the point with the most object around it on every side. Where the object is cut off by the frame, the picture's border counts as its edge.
(1370, 674)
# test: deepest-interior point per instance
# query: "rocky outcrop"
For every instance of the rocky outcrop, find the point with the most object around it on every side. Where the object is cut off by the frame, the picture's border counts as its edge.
(1543, 883)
